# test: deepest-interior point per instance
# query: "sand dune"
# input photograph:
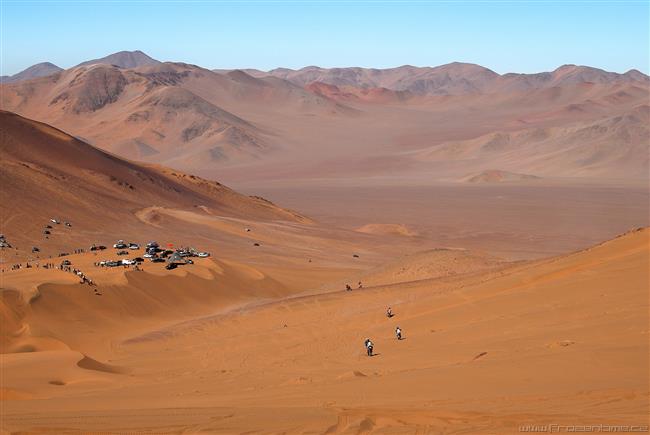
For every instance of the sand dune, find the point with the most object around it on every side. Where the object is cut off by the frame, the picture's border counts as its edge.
(560, 341)
(387, 229)
(497, 176)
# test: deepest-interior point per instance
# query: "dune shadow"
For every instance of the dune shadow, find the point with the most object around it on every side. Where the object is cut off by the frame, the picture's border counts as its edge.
(90, 364)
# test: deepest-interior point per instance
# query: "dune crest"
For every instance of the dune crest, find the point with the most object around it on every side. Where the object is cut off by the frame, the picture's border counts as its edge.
(387, 229)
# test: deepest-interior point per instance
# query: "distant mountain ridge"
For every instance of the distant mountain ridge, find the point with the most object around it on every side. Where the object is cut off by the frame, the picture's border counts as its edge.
(451, 79)
(124, 59)
(454, 78)
(42, 69)
(447, 121)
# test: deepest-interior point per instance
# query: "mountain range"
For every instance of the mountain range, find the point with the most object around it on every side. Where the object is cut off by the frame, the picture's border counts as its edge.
(421, 123)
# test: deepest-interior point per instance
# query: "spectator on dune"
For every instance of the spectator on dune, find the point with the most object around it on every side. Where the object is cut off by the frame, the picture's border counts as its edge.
(369, 346)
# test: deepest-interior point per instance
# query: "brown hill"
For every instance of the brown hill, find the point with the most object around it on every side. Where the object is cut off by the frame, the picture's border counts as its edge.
(616, 146)
(163, 113)
(355, 94)
(39, 70)
(124, 59)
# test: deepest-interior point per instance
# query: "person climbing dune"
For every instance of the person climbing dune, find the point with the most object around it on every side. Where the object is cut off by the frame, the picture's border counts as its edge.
(369, 346)
(398, 333)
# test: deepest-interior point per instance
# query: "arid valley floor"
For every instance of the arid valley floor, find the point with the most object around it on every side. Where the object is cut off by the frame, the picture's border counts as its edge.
(504, 220)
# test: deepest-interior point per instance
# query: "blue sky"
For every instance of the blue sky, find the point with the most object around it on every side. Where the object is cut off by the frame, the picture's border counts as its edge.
(506, 36)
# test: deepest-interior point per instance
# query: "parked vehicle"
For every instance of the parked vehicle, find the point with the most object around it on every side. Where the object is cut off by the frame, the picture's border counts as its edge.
(204, 254)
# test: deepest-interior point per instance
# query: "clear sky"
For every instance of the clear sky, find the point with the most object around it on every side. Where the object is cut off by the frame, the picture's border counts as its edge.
(506, 36)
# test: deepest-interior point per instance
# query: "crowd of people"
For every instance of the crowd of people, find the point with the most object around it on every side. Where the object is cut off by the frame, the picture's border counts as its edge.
(29, 265)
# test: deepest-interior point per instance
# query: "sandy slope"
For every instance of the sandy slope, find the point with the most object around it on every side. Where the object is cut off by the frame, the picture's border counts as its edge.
(561, 341)
(46, 174)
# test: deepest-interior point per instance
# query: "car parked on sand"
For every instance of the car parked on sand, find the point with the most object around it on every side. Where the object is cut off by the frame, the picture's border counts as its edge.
(203, 254)
(134, 246)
